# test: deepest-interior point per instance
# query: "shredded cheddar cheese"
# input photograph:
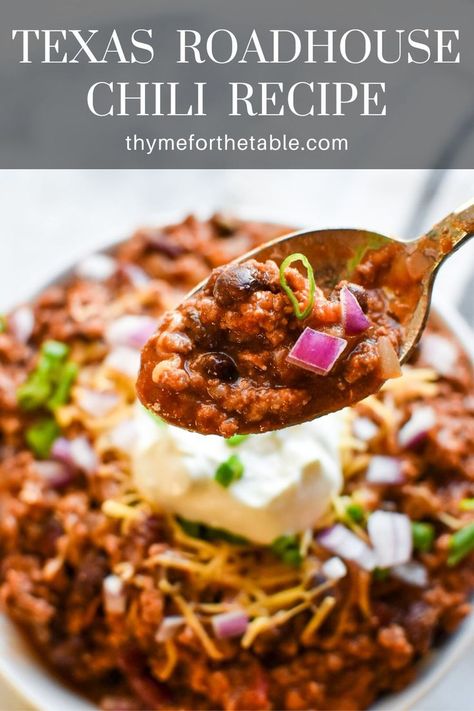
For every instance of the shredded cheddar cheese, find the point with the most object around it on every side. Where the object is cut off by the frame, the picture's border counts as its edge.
(117, 509)
(171, 660)
(195, 624)
(322, 611)
(269, 591)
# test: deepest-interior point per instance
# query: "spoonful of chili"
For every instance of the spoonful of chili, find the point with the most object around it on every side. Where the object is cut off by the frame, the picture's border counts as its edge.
(300, 327)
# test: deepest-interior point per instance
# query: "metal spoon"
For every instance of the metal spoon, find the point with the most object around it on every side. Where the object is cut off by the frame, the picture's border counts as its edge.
(406, 276)
(335, 254)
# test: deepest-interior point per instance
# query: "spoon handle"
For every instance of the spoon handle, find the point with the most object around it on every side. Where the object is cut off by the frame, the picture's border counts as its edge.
(450, 233)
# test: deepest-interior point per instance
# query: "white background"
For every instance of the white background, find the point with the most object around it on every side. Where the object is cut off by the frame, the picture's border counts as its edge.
(50, 218)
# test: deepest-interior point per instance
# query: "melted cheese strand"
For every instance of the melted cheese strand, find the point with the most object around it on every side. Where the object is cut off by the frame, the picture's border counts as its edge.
(197, 628)
(317, 620)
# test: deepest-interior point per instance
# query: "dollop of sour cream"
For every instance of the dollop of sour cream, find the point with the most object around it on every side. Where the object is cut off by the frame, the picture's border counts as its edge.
(289, 476)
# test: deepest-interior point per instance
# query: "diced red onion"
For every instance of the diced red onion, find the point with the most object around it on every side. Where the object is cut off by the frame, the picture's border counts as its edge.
(169, 627)
(385, 470)
(124, 360)
(316, 351)
(76, 452)
(364, 428)
(115, 601)
(137, 276)
(22, 322)
(230, 624)
(97, 403)
(353, 318)
(83, 455)
(468, 402)
(389, 365)
(439, 353)
(132, 331)
(412, 573)
(96, 267)
(340, 540)
(57, 474)
(334, 568)
(391, 536)
(61, 450)
(416, 429)
(124, 435)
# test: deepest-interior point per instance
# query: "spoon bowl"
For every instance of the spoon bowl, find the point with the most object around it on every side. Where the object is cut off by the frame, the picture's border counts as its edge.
(336, 254)
(195, 375)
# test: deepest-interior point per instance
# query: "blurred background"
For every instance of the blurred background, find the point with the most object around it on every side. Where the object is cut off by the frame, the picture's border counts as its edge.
(49, 219)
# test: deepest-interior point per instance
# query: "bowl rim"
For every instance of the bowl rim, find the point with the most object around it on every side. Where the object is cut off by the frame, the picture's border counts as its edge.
(22, 671)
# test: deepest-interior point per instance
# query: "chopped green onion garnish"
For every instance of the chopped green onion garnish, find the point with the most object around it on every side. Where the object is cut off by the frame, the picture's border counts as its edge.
(423, 536)
(209, 533)
(371, 241)
(355, 512)
(54, 351)
(467, 505)
(287, 548)
(41, 435)
(34, 392)
(461, 544)
(229, 471)
(192, 528)
(49, 385)
(156, 418)
(235, 440)
(298, 257)
(380, 574)
(3, 323)
(63, 389)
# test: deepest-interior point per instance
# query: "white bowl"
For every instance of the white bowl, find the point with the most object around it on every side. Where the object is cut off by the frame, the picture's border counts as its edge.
(23, 671)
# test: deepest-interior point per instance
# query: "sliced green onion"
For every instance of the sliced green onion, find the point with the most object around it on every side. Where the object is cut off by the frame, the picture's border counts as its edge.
(298, 257)
(49, 385)
(372, 241)
(156, 418)
(236, 439)
(33, 393)
(41, 435)
(195, 529)
(3, 323)
(423, 536)
(192, 528)
(355, 512)
(54, 351)
(229, 471)
(461, 544)
(62, 392)
(287, 548)
(467, 505)
(380, 574)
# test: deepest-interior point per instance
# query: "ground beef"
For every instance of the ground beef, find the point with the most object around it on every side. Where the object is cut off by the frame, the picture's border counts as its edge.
(211, 366)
